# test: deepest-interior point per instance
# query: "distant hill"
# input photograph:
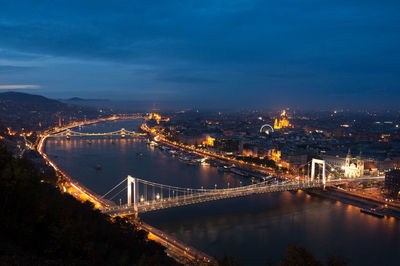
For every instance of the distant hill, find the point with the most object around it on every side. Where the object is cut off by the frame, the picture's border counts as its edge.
(78, 99)
(98, 103)
(27, 99)
(74, 99)
(35, 112)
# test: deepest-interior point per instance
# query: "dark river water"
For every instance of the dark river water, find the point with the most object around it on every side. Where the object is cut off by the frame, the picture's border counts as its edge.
(254, 229)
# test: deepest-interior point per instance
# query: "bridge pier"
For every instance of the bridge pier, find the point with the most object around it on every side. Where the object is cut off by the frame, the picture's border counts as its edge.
(68, 133)
(133, 180)
(320, 162)
(185, 196)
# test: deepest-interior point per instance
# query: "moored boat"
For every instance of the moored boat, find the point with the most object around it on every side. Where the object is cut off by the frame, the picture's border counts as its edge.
(373, 212)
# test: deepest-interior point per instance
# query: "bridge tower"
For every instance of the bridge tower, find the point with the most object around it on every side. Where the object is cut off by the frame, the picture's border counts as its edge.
(123, 132)
(68, 133)
(320, 162)
(133, 180)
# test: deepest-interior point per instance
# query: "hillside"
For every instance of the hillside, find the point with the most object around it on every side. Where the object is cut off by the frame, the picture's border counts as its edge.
(39, 225)
(34, 112)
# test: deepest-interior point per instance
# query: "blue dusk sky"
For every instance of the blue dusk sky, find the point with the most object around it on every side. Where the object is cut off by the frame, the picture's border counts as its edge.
(320, 53)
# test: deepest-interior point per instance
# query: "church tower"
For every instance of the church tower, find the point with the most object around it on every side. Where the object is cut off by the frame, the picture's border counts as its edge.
(348, 158)
(360, 164)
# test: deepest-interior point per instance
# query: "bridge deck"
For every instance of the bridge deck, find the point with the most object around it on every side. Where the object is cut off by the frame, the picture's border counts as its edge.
(71, 133)
(218, 194)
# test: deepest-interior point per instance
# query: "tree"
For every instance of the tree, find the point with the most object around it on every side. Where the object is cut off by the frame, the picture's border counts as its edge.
(336, 261)
(39, 225)
(228, 261)
(299, 256)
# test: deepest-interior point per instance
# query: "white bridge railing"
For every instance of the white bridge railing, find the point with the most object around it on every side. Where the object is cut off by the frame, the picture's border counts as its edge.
(70, 133)
(149, 196)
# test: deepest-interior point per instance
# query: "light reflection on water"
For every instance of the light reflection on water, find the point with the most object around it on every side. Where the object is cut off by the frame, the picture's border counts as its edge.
(254, 229)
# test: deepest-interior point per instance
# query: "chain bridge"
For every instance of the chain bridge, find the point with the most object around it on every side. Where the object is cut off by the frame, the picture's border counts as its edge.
(68, 133)
(145, 196)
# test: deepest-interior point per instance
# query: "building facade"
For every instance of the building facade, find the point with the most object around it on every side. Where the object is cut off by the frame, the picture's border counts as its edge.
(354, 167)
(392, 183)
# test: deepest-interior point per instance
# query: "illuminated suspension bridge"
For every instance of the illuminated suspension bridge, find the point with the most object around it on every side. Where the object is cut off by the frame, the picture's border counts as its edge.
(68, 133)
(145, 196)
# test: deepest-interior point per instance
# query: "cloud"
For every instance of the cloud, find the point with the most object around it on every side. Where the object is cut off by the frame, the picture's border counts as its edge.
(9, 68)
(305, 50)
(184, 79)
(16, 87)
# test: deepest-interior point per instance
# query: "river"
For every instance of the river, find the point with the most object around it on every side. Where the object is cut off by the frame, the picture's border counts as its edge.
(254, 229)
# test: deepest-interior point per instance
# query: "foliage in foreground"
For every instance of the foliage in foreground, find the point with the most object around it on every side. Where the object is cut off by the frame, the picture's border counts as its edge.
(39, 225)
(295, 256)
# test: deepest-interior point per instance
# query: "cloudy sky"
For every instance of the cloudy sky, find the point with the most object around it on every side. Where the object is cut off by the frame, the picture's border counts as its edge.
(239, 53)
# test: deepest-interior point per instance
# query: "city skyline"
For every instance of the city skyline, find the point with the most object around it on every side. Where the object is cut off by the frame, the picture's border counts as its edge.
(222, 176)
(240, 132)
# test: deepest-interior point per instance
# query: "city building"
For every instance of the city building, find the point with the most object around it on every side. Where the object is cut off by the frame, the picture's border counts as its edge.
(297, 160)
(392, 183)
(282, 122)
(334, 161)
(193, 140)
(227, 144)
(209, 141)
(354, 167)
(370, 169)
(384, 165)
(250, 150)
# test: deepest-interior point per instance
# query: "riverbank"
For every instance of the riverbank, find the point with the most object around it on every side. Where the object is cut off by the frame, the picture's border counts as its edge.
(177, 250)
(241, 227)
(253, 167)
(356, 200)
(67, 183)
(41, 225)
(250, 171)
(333, 192)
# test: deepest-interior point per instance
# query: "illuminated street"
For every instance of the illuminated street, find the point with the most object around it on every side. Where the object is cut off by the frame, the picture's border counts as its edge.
(229, 133)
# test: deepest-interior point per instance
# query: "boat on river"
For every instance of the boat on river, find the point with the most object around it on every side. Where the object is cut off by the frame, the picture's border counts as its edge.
(239, 172)
(372, 211)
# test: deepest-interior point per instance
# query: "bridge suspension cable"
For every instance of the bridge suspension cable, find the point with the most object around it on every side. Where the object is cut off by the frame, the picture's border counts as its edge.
(118, 193)
(70, 133)
(113, 188)
(150, 196)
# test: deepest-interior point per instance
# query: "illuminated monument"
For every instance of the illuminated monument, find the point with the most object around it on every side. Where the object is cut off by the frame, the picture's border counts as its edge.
(209, 141)
(354, 167)
(282, 122)
(157, 117)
